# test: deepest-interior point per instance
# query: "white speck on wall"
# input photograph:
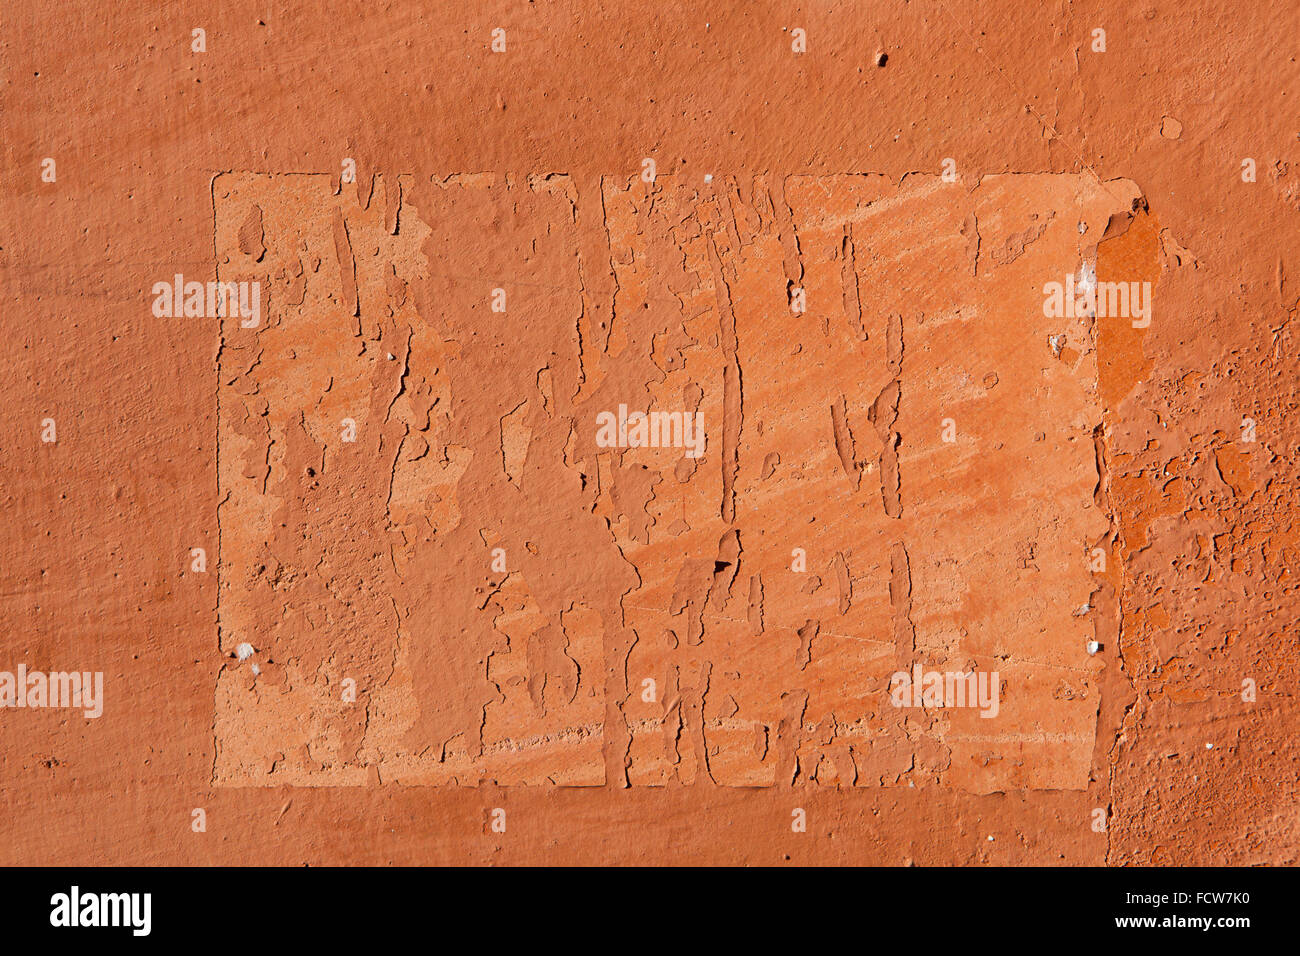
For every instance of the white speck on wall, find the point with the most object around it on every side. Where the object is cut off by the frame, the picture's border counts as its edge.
(1087, 278)
(1093, 647)
(244, 651)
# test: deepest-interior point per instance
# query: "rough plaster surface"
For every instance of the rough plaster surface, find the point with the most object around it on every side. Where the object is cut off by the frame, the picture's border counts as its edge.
(947, 459)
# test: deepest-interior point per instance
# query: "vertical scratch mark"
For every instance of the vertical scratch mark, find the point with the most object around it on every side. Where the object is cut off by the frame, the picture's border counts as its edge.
(900, 597)
(844, 581)
(393, 208)
(844, 444)
(884, 415)
(732, 402)
(849, 280)
(792, 258)
(347, 266)
(807, 634)
(756, 604)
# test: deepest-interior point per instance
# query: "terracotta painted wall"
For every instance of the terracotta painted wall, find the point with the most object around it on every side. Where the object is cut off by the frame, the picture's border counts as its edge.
(446, 610)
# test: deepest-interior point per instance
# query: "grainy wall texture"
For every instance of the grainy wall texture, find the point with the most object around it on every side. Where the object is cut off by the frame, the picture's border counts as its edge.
(593, 433)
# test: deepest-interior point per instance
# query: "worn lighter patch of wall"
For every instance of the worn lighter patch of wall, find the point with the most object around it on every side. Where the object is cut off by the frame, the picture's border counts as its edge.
(426, 394)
